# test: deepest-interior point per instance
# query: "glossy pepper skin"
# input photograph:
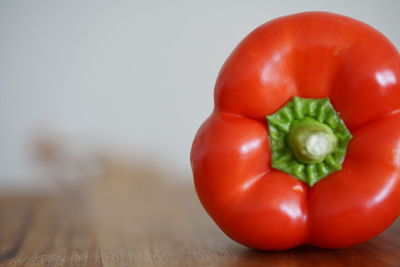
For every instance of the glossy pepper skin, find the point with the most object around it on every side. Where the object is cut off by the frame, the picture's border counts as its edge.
(310, 55)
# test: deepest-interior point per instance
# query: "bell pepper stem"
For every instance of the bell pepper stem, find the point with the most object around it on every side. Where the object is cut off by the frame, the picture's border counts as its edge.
(308, 139)
(311, 141)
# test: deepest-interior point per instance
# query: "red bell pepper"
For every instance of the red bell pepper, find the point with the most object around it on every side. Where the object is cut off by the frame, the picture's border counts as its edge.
(323, 169)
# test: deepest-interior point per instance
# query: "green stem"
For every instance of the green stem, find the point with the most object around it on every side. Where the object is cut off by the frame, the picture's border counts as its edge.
(311, 141)
(308, 139)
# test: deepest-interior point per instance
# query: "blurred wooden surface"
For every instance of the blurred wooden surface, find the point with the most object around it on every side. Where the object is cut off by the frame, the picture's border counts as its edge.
(130, 222)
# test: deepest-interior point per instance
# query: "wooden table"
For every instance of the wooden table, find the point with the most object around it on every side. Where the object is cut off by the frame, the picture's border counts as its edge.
(120, 220)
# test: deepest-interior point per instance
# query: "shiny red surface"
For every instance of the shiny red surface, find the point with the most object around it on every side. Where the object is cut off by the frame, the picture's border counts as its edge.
(311, 55)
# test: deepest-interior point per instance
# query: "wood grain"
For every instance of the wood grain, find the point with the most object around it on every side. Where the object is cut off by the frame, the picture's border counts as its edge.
(121, 220)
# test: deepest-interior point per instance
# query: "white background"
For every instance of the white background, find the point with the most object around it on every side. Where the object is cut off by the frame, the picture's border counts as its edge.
(137, 75)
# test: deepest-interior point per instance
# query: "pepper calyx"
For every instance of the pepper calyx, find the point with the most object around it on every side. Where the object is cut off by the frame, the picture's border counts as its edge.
(308, 139)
